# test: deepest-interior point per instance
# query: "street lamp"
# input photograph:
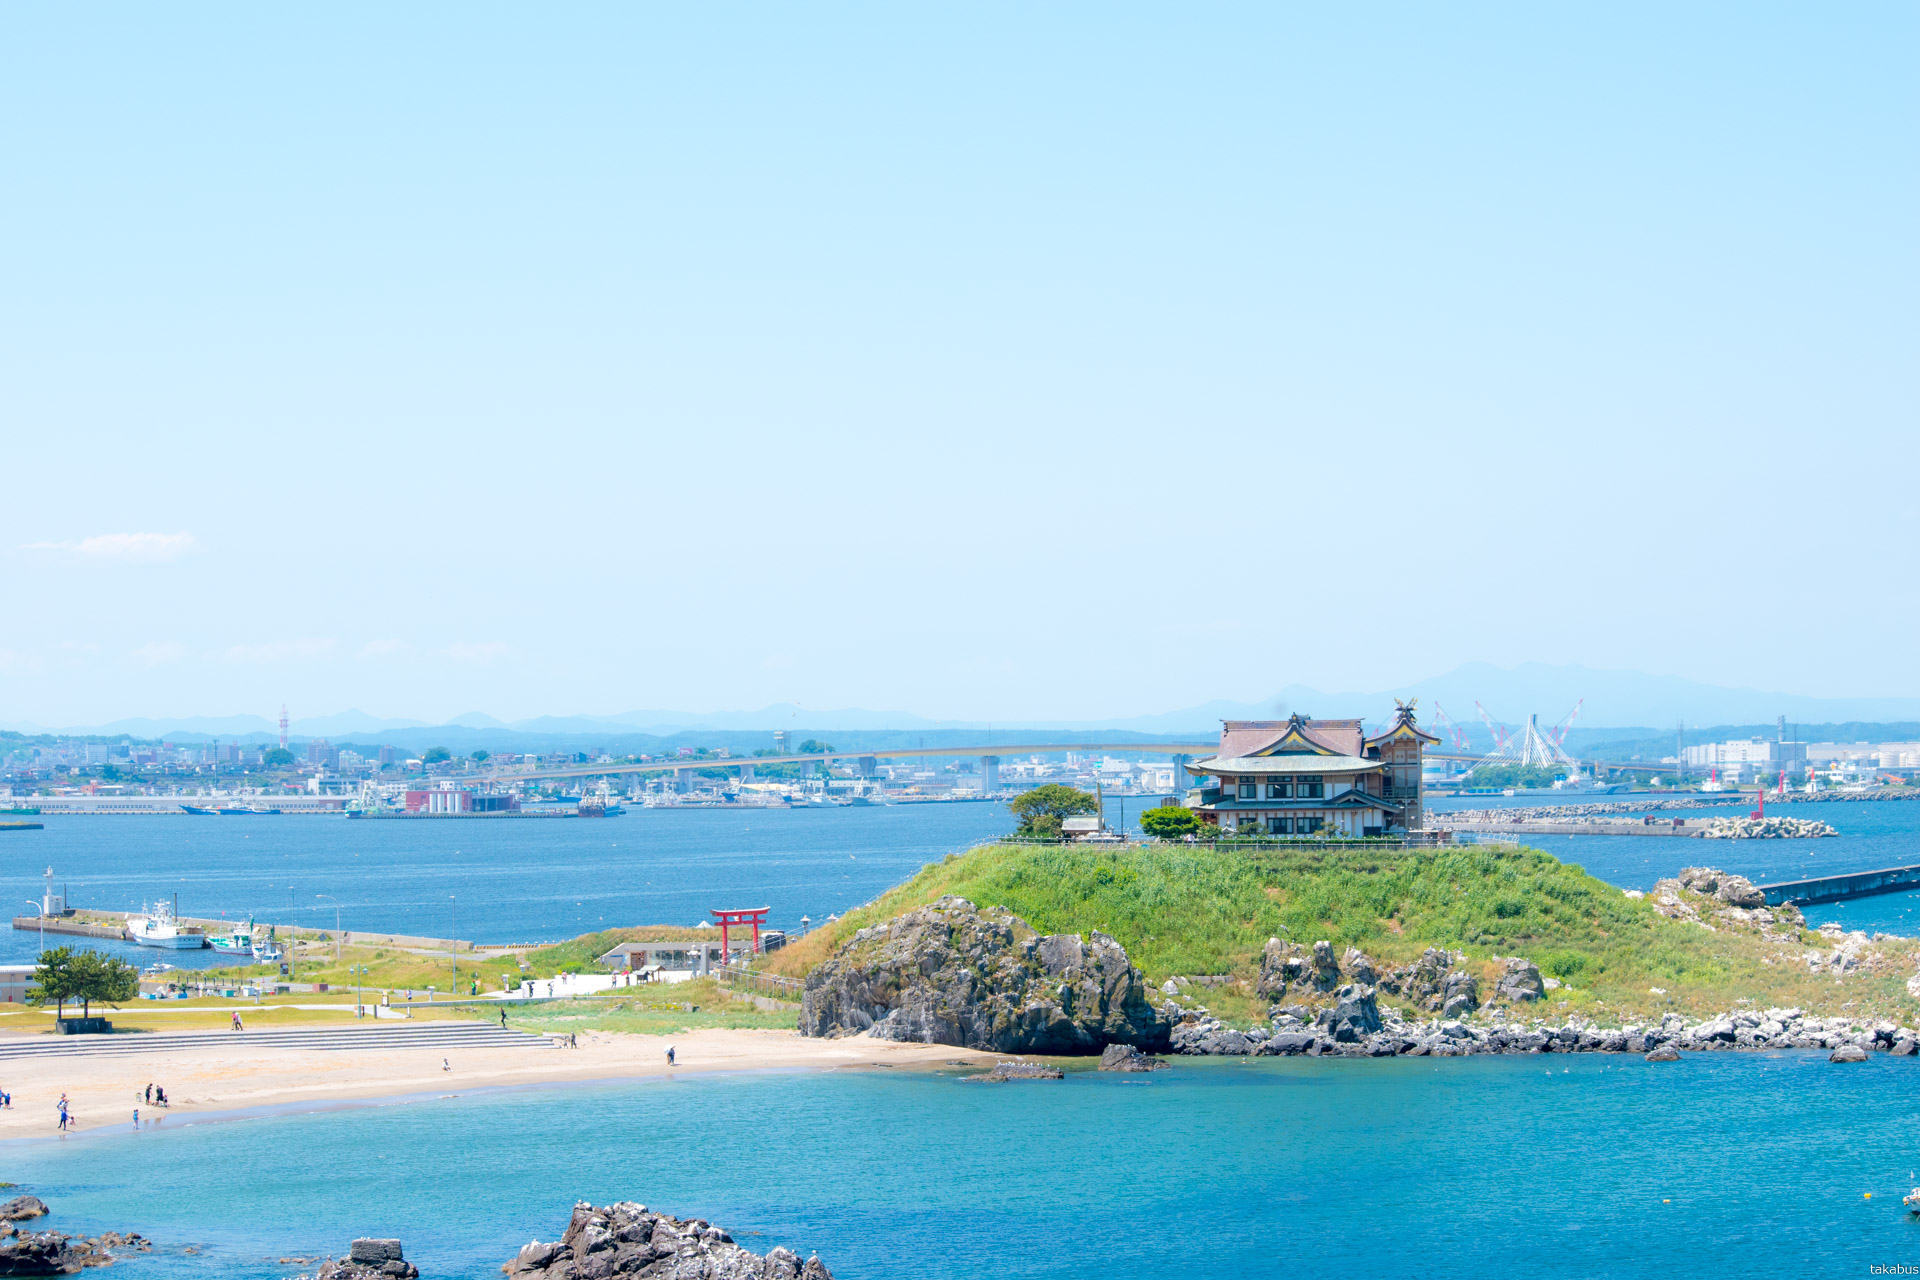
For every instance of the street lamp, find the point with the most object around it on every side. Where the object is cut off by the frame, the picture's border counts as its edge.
(359, 972)
(336, 924)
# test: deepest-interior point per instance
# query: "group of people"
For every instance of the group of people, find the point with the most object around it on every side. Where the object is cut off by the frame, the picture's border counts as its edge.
(156, 1096)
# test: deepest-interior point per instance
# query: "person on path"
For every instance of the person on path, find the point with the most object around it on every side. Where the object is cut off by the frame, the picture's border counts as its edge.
(503, 1018)
(669, 1055)
(236, 1021)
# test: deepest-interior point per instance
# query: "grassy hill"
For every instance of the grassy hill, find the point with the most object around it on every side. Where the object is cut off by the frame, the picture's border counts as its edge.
(1195, 910)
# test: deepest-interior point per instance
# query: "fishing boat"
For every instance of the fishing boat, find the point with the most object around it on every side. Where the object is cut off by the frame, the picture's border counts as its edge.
(267, 952)
(199, 811)
(237, 943)
(157, 927)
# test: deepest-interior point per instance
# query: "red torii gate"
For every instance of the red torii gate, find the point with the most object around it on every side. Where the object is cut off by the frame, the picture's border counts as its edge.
(755, 916)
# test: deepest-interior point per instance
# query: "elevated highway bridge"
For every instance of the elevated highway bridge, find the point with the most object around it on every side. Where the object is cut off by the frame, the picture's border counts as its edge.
(863, 759)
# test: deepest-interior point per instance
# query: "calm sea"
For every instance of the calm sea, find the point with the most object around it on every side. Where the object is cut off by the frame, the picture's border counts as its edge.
(539, 880)
(1507, 1167)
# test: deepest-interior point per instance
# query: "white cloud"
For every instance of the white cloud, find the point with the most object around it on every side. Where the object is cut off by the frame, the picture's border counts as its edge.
(156, 652)
(483, 652)
(303, 650)
(125, 548)
(386, 647)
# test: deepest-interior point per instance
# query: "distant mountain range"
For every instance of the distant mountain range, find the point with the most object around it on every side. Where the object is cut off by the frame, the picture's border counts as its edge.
(1613, 700)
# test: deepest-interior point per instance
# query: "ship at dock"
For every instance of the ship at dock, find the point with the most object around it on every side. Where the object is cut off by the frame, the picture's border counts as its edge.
(159, 926)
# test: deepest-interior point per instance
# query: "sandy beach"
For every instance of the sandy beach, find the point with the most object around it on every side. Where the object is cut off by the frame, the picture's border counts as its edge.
(103, 1091)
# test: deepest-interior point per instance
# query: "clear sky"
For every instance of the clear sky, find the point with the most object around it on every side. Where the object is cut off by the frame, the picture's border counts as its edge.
(1013, 362)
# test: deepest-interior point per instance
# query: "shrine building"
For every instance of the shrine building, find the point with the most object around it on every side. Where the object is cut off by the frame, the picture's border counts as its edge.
(1302, 777)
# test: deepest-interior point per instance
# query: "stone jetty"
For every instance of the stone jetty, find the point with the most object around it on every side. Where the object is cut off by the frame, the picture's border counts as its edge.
(627, 1239)
(1768, 829)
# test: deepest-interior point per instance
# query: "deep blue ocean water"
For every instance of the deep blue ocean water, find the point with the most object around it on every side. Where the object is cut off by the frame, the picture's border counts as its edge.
(1512, 1167)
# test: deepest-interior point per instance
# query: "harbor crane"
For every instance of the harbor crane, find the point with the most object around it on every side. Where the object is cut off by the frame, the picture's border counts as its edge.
(1453, 731)
(1559, 733)
(1500, 732)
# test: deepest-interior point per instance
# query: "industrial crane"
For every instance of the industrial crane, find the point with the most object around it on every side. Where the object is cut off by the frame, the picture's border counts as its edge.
(1559, 734)
(1500, 732)
(1454, 731)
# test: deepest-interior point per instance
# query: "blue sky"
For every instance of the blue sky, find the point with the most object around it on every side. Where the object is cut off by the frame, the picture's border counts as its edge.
(981, 363)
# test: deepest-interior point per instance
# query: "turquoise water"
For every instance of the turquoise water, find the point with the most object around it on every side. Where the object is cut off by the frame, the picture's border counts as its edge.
(511, 880)
(1511, 1167)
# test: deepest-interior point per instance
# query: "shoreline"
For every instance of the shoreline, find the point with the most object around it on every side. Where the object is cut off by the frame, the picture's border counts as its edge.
(240, 1080)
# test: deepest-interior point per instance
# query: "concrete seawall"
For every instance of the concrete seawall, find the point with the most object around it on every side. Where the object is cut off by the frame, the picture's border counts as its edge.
(1858, 884)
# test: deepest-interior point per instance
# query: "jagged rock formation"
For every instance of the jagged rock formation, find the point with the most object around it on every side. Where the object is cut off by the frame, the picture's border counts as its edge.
(21, 1208)
(55, 1253)
(1519, 982)
(626, 1239)
(1125, 1057)
(370, 1259)
(950, 973)
(1735, 891)
(1436, 982)
(1005, 1071)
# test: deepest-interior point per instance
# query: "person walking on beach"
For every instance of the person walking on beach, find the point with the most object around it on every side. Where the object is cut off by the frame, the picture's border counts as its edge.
(149, 1093)
(63, 1113)
(136, 1117)
(669, 1055)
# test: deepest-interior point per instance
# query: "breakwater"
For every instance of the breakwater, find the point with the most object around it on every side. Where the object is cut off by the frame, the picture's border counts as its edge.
(1857, 884)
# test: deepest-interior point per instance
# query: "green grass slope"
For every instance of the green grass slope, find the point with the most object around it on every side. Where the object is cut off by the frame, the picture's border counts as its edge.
(1194, 910)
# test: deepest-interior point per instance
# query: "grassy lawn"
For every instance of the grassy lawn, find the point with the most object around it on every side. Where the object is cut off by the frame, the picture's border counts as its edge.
(1193, 910)
(645, 1010)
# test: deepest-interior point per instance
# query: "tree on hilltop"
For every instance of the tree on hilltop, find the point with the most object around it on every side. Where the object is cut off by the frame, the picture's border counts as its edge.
(435, 755)
(1043, 810)
(1170, 821)
(276, 757)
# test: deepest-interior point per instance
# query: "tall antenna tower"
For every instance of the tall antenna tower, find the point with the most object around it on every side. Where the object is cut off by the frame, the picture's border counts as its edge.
(283, 726)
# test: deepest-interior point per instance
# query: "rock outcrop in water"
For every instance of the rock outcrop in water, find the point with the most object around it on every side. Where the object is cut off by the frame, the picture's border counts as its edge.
(627, 1239)
(55, 1253)
(952, 974)
(369, 1259)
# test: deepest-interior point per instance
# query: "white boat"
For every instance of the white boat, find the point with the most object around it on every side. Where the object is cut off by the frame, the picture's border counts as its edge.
(237, 943)
(157, 928)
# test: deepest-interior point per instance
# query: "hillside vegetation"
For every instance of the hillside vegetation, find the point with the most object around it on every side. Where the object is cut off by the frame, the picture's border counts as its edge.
(1190, 910)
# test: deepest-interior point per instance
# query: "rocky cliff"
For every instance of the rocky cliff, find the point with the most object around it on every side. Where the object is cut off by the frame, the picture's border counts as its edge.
(627, 1240)
(950, 973)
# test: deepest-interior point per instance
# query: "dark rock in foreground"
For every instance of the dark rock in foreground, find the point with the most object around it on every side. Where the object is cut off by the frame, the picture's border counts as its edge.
(55, 1253)
(626, 1240)
(949, 973)
(1124, 1057)
(20, 1208)
(1004, 1071)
